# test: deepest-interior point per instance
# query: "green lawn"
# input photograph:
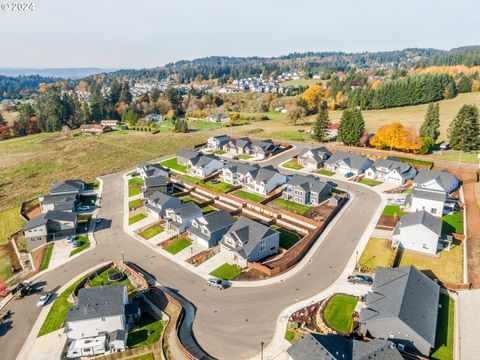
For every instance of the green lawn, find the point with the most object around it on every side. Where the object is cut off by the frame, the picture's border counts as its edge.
(102, 280)
(192, 179)
(375, 254)
(291, 206)
(46, 257)
(148, 356)
(178, 246)
(135, 204)
(208, 209)
(301, 82)
(220, 187)
(94, 185)
(226, 272)
(88, 200)
(370, 182)
(188, 198)
(245, 157)
(391, 210)
(339, 312)
(287, 238)
(10, 222)
(136, 182)
(326, 172)
(151, 232)
(444, 336)
(148, 332)
(453, 223)
(249, 196)
(220, 152)
(293, 164)
(84, 244)
(136, 218)
(204, 124)
(292, 335)
(172, 164)
(132, 191)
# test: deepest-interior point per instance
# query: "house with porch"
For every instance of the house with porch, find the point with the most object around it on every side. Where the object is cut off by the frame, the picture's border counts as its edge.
(209, 228)
(203, 166)
(217, 142)
(344, 162)
(158, 202)
(390, 171)
(314, 158)
(249, 241)
(180, 217)
(306, 190)
(263, 148)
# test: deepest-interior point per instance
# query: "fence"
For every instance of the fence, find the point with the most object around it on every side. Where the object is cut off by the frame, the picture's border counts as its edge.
(155, 349)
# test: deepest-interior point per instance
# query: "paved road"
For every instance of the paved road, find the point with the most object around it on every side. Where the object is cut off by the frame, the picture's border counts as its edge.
(229, 324)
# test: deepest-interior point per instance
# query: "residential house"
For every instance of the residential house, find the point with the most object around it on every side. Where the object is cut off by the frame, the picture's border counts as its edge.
(154, 184)
(67, 187)
(263, 180)
(344, 162)
(149, 170)
(403, 308)
(249, 241)
(239, 146)
(94, 129)
(440, 180)
(154, 118)
(390, 171)
(158, 202)
(60, 202)
(234, 173)
(306, 190)
(42, 228)
(98, 317)
(219, 118)
(313, 158)
(109, 123)
(184, 156)
(180, 216)
(203, 166)
(218, 142)
(419, 231)
(208, 229)
(432, 201)
(337, 347)
(262, 149)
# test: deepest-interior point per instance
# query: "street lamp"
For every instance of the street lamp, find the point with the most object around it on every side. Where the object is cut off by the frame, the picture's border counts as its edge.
(261, 351)
(123, 257)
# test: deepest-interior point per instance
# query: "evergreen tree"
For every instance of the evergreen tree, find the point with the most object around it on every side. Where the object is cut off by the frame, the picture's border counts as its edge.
(431, 125)
(464, 130)
(464, 84)
(154, 95)
(321, 124)
(125, 94)
(97, 103)
(115, 91)
(2, 120)
(351, 127)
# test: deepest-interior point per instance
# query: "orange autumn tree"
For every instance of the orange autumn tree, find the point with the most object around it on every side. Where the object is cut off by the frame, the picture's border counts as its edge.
(313, 96)
(398, 137)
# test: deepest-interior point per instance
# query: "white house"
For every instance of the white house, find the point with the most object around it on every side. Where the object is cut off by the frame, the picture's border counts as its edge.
(436, 180)
(313, 158)
(158, 202)
(218, 118)
(180, 217)
(419, 231)
(204, 165)
(218, 142)
(343, 162)
(431, 201)
(263, 180)
(234, 173)
(239, 146)
(391, 171)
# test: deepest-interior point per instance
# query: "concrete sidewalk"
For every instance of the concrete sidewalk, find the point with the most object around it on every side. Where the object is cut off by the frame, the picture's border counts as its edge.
(468, 323)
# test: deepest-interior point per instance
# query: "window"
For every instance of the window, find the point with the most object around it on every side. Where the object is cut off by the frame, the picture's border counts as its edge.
(103, 319)
(434, 211)
(263, 245)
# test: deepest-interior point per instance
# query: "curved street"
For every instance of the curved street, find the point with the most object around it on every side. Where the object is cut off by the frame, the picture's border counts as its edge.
(229, 324)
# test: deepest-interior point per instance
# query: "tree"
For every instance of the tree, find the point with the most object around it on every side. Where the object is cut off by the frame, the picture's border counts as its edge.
(296, 114)
(130, 117)
(154, 95)
(115, 92)
(396, 136)
(321, 124)
(464, 130)
(174, 96)
(351, 127)
(313, 96)
(4, 128)
(464, 85)
(97, 103)
(431, 125)
(125, 94)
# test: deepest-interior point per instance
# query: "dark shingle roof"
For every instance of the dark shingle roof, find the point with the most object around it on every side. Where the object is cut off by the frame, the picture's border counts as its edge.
(60, 215)
(354, 161)
(35, 222)
(264, 174)
(241, 168)
(161, 198)
(213, 221)
(318, 153)
(241, 142)
(155, 181)
(429, 194)
(204, 160)
(443, 177)
(187, 209)
(98, 302)
(66, 186)
(308, 183)
(390, 165)
(420, 218)
(188, 153)
(407, 294)
(61, 198)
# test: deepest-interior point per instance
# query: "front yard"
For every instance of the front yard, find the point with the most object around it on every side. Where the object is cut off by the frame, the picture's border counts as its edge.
(102, 280)
(249, 196)
(226, 272)
(46, 257)
(132, 191)
(392, 210)
(325, 172)
(245, 157)
(136, 181)
(291, 206)
(136, 218)
(148, 332)
(172, 164)
(453, 223)
(132, 205)
(293, 164)
(287, 238)
(178, 246)
(376, 253)
(370, 182)
(83, 242)
(444, 336)
(339, 312)
(151, 232)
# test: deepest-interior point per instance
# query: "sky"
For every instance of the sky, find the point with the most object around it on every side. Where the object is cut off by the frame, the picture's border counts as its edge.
(149, 33)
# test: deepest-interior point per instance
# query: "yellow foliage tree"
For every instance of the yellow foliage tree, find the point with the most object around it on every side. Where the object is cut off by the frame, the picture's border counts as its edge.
(398, 137)
(313, 96)
(475, 86)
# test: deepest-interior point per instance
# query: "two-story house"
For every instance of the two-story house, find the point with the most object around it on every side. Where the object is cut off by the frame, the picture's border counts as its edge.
(61, 202)
(239, 146)
(391, 171)
(184, 156)
(263, 180)
(306, 190)
(217, 142)
(150, 170)
(180, 217)
(67, 187)
(154, 184)
(442, 180)
(344, 162)
(234, 173)
(262, 149)
(249, 241)
(204, 165)
(432, 201)
(158, 202)
(313, 159)
(208, 229)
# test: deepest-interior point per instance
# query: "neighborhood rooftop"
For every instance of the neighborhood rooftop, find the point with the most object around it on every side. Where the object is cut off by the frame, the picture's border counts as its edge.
(308, 183)
(420, 217)
(354, 161)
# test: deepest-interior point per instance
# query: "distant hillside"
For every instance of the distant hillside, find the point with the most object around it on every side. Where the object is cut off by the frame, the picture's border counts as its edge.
(63, 73)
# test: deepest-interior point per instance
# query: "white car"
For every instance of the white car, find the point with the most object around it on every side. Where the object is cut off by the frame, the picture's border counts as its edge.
(84, 208)
(70, 238)
(218, 283)
(44, 299)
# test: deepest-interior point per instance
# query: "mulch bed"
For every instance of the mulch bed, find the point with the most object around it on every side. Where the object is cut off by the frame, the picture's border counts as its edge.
(386, 222)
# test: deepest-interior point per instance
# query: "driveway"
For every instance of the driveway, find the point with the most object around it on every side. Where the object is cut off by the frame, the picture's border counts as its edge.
(221, 316)
(60, 253)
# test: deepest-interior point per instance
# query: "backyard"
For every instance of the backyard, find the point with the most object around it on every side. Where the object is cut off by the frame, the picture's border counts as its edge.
(178, 246)
(208, 209)
(102, 280)
(220, 186)
(339, 312)
(189, 198)
(172, 164)
(287, 238)
(453, 223)
(291, 206)
(444, 336)
(149, 331)
(192, 179)
(392, 210)
(293, 164)
(376, 253)
(249, 196)
(88, 200)
(10, 222)
(226, 272)
(150, 232)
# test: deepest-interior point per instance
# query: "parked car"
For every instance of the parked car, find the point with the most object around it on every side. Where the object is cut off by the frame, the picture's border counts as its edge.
(348, 174)
(84, 208)
(98, 220)
(218, 283)
(360, 279)
(332, 184)
(70, 238)
(44, 299)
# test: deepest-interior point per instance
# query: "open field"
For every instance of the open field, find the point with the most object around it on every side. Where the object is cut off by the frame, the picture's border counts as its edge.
(300, 82)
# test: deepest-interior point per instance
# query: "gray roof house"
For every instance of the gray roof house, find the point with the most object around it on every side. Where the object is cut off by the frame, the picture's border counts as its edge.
(403, 308)
(337, 347)
(218, 118)
(249, 241)
(436, 180)
(154, 184)
(263, 180)
(217, 142)
(239, 146)
(180, 216)
(234, 173)
(344, 162)
(158, 202)
(205, 165)
(208, 229)
(432, 201)
(306, 190)
(313, 158)
(185, 155)
(149, 170)
(67, 187)
(391, 171)
(419, 231)
(60, 202)
(261, 149)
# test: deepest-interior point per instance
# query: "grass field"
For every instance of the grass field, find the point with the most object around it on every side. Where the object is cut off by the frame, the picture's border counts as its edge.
(208, 209)
(300, 82)
(172, 164)
(46, 257)
(339, 312)
(204, 124)
(293, 164)
(136, 218)
(151, 232)
(134, 204)
(192, 179)
(290, 205)
(375, 254)
(148, 356)
(84, 244)
(10, 222)
(444, 336)
(287, 238)
(220, 187)
(136, 182)
(391, 210)
(148, 332)
(249, 196)
(245, 157)
(178, 246)
(188, 198)
(132, 191)
(102, 280)
(226, 272)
